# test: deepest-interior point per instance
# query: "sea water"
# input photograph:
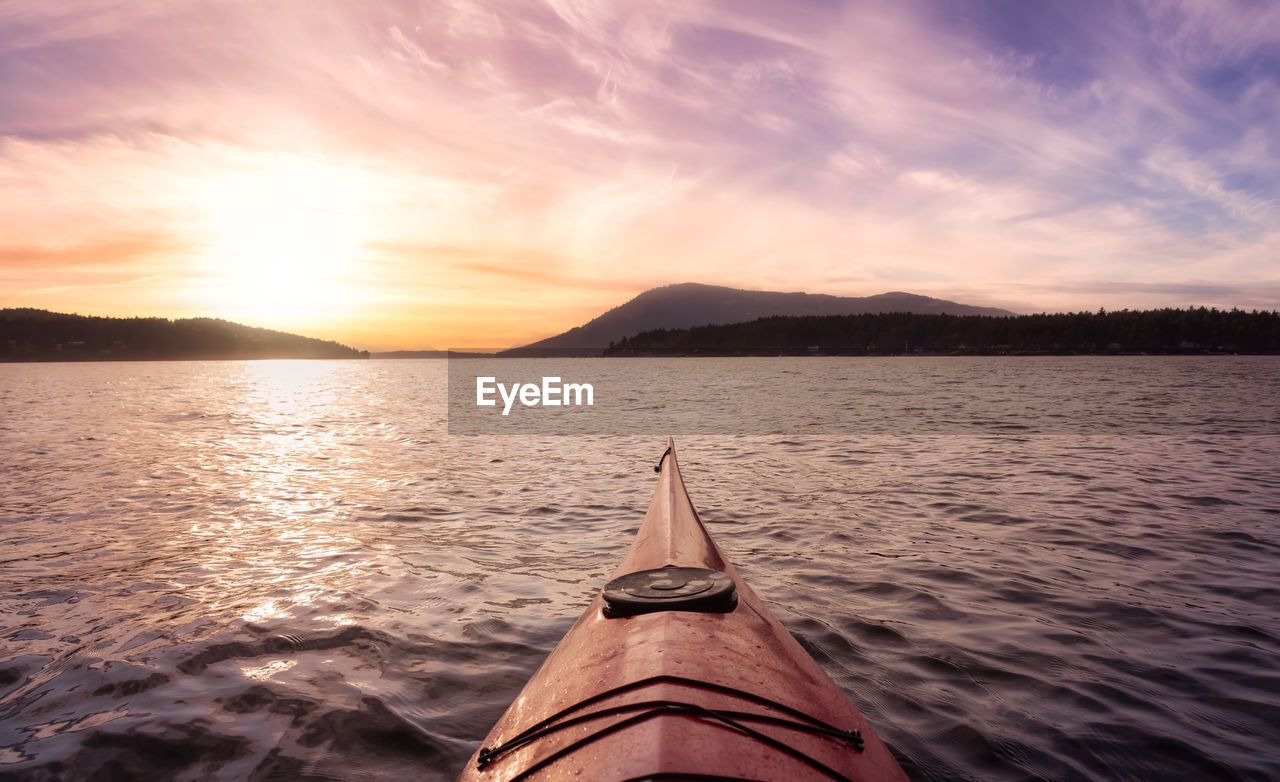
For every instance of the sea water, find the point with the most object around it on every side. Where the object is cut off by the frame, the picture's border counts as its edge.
(257, 570)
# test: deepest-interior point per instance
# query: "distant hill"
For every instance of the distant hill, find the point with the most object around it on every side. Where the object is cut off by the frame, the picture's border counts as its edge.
(40, 335)
(693, 304)
(411, 354)
(1165, 331)
(393, 354)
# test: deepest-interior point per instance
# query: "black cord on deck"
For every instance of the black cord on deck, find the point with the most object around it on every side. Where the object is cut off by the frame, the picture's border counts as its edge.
(731, 720)
(658, 468)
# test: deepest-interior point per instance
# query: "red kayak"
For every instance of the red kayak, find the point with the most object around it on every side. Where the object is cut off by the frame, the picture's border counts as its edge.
(678, 671)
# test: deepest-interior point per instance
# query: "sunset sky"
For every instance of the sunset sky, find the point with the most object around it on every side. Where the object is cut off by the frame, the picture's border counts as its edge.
(482, 174)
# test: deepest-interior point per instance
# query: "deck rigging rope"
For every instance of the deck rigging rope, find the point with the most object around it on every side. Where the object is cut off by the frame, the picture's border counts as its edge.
(732, 720)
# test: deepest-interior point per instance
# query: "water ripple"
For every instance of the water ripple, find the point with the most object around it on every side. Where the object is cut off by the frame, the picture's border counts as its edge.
(284, 570)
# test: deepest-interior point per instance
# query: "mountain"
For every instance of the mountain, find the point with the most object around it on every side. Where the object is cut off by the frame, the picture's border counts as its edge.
(693, 304)
(40, 335)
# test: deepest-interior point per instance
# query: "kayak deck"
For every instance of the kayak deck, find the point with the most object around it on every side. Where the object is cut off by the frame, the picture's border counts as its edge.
(720, 692)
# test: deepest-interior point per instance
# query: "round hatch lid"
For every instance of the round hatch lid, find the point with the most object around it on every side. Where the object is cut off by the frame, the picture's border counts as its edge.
(670, 589)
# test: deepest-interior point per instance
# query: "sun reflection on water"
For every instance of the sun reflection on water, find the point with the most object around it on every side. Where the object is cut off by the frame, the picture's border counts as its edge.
(283, 530)
(264, 672)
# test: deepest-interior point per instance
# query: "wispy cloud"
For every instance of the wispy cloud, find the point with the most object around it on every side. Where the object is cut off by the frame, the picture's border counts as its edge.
(1035, 156)
(128, 250)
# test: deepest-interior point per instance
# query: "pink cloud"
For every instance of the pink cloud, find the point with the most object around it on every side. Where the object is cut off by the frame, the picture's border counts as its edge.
(603, 146)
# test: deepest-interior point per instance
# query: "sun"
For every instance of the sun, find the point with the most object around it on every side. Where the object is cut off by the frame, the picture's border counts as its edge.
(284, 244)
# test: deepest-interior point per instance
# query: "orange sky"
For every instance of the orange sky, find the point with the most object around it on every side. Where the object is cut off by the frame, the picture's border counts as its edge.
(484, 174)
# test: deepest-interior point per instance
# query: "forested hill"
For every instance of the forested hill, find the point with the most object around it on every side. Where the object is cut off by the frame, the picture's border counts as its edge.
(39, 335)
(1196, 330)
(693, 304)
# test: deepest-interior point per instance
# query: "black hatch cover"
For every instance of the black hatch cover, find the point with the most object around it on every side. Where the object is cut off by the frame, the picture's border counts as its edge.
(670, 589)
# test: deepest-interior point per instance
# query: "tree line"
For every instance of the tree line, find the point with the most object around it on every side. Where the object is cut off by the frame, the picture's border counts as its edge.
(1164, 331)
(39, 335)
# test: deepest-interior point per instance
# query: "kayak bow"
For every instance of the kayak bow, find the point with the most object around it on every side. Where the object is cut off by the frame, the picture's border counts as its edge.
(677, 670)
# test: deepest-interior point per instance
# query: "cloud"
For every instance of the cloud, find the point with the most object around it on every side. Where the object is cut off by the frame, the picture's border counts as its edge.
(1138, 295)
(1007, 152)
(113, 251)
(538, 267)
(414, 51)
